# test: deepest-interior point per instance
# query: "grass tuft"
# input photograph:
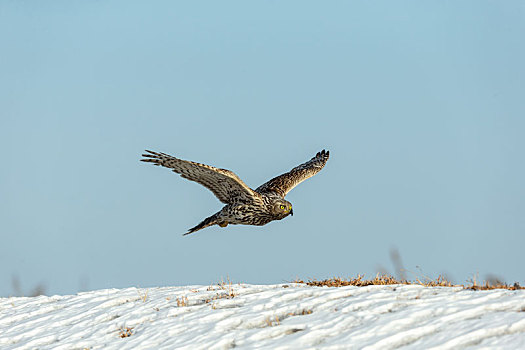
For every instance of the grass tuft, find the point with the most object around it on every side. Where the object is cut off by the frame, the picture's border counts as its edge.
(144, 296)
(272, 321)
(183, 301)
(125, 332)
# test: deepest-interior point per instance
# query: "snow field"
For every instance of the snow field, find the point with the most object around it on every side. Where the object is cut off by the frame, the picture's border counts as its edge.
(283, 316)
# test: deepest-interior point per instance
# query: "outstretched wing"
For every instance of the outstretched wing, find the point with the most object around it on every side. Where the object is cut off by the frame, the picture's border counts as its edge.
(284, 183)
(224, 184)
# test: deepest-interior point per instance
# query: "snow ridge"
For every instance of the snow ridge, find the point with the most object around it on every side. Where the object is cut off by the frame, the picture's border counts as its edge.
(282, 316)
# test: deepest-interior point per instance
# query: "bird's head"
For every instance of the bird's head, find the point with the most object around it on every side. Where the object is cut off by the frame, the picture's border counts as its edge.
(282, 208)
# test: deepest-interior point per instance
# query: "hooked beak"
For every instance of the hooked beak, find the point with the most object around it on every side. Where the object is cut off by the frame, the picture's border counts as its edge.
(291, 212)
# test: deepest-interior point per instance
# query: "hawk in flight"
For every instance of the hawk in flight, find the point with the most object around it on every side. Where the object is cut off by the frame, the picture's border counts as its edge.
(244, 206)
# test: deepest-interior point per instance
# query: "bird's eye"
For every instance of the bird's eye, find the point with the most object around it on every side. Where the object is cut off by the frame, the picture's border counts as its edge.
(282, 207)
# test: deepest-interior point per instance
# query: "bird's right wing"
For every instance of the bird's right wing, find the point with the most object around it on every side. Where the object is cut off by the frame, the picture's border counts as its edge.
(284, 183)
(224, 184)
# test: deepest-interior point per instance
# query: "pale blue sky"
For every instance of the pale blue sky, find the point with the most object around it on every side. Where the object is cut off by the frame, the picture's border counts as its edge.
(421, 105)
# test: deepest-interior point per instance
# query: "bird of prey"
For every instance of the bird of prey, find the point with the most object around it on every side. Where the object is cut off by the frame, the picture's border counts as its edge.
(244, 206)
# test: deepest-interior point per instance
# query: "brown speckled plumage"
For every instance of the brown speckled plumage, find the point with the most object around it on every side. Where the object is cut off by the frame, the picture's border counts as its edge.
(243, 205)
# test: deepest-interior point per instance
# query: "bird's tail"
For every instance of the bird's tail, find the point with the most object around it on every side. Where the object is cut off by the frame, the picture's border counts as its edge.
(209, 221)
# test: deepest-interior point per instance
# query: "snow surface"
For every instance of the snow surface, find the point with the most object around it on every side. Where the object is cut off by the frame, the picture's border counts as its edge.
(284, 316)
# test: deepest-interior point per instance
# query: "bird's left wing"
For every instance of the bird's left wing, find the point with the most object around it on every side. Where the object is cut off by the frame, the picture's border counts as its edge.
(224, 184)
(284, 183)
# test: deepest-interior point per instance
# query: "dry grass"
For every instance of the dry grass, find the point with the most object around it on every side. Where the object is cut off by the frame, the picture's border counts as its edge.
(488, 286)
(225, 291)
(228, 288)
(125, 332)
(183, 301)
(385, 279)
(300, 313)
(144, 296)
(39, 289)
(223, 285)
(272, 321)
